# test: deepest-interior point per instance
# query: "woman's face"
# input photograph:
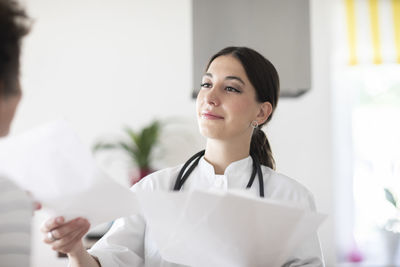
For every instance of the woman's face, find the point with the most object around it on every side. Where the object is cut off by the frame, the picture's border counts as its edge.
(226, 104)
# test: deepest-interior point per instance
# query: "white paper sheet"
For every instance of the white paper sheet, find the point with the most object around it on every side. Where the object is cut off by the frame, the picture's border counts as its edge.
(225, 229)
(60, 172)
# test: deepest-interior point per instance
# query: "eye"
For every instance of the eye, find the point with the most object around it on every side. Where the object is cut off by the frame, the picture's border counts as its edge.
(232, 89)
(205, 85)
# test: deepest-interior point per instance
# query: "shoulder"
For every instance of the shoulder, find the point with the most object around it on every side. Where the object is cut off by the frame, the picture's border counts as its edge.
(10, 192)
(163, 179)
(281, 187)
(16, 214)
(7, 184)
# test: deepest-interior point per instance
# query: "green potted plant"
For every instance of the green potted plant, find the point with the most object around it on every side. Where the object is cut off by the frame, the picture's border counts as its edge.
(139, 147)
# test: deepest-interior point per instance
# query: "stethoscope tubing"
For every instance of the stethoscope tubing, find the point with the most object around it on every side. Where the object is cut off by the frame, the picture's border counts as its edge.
(194, 161)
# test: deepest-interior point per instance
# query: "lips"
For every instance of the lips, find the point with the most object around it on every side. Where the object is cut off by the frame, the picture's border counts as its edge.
(211, 116)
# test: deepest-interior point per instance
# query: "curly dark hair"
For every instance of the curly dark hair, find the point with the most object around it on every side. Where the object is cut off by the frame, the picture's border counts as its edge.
(14, 24)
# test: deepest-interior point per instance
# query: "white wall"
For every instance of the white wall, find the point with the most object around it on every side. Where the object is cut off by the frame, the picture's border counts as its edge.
(301, 130)
(105, 64)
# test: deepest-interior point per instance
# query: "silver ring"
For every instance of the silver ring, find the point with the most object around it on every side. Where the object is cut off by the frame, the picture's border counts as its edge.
(51, 237)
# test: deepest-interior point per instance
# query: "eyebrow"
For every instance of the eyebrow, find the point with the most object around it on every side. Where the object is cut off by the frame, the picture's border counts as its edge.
(227, 77)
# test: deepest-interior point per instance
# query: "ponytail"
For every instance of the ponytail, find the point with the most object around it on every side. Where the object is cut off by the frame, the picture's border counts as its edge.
(261, 149)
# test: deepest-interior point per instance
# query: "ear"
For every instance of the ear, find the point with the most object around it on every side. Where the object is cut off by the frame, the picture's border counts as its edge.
(264, 113)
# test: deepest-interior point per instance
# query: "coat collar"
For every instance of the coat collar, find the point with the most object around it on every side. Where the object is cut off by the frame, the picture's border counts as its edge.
(236, 168)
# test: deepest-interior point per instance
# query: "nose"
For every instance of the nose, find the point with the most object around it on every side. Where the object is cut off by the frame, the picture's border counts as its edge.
(211, 96)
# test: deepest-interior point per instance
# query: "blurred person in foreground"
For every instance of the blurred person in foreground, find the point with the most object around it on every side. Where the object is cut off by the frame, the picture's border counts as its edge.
(16, 206)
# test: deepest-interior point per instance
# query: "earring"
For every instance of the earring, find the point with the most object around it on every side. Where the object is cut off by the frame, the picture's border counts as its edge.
(254, 124)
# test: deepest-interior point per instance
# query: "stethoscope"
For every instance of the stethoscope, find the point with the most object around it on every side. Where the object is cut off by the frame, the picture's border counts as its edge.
(194, 160)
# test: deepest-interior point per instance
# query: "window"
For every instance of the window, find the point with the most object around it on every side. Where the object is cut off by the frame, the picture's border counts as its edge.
(366, 103)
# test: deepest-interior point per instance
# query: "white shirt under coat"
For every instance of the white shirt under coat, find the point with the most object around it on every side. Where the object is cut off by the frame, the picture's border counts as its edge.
(129, 242)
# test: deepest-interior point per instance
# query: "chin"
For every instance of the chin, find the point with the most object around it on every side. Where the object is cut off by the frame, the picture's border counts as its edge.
(211, 129)
(211, 133)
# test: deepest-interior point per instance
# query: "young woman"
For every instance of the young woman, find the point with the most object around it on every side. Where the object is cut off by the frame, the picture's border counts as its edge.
(238, 95)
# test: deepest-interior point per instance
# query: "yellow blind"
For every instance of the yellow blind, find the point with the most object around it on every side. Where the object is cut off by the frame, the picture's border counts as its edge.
(396, 19)
(373, 31)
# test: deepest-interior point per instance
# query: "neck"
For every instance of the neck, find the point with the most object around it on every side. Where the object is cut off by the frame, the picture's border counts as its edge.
(222, 153)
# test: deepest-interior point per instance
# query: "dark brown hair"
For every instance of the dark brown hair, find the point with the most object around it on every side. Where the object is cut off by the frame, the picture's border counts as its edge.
(265, 79)
(13, 26)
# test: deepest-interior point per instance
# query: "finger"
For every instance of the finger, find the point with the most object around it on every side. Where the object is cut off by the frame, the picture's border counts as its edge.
(51, 224)
(72, 241)
(48, 238)
(72, 237)
(65, 229)
(37, 205)
(60, 241)
(71, 226)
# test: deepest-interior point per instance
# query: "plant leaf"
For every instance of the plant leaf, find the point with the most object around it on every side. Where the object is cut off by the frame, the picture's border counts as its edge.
(140, 144)
(103, 146)
(133, 136)
(390, 197)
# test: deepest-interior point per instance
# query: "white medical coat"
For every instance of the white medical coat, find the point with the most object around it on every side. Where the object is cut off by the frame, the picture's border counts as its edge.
(129, 241)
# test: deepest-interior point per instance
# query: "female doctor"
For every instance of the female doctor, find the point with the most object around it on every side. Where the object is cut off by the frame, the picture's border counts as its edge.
(239, 93)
